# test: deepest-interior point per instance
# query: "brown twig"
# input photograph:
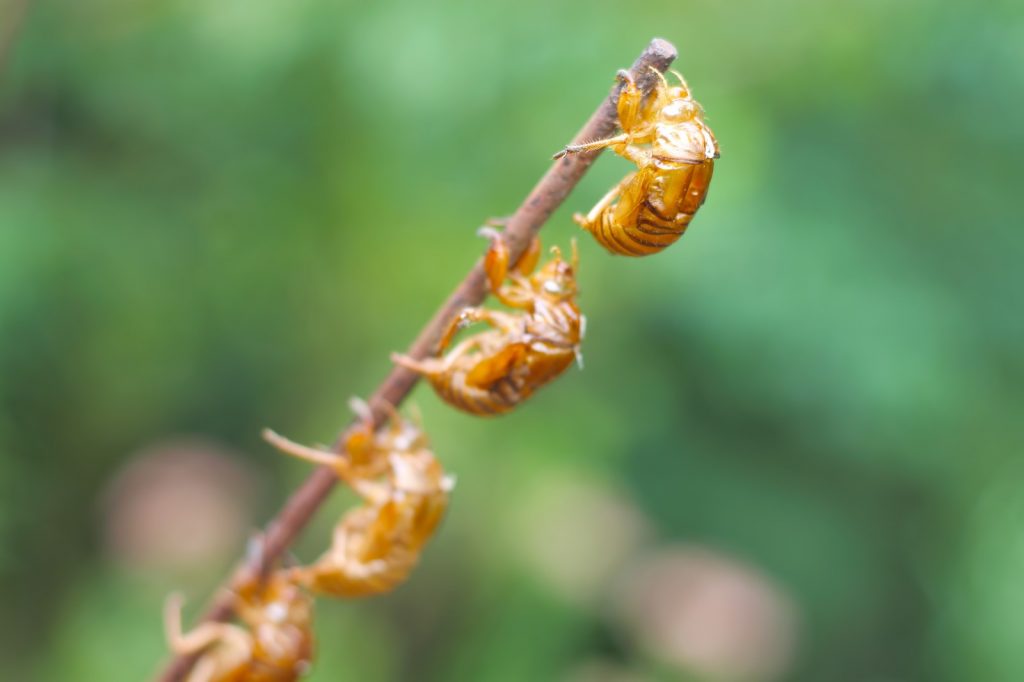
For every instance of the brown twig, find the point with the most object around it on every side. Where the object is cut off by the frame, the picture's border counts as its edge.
(520, 229)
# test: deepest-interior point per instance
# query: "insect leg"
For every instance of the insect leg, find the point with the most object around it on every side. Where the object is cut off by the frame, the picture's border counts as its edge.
(634, 193)
(638, 155)
(499, 320)
(340, 465)
(427, 367)
(682, 81)
(590, 221)
(497, 366)
(496, 266)
(496, 260)
(630, 99)
(460, 322)
(528, 261)
(237, 639)
(658, 98)
(620, 139)
(433, 367)
(361, 409)
(359, 440)
(504, 322)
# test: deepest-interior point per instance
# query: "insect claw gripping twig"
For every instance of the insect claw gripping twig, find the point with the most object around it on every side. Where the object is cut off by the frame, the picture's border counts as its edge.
(497, 221)
(522, 227)
(254, 549)
(172, 617)
(360, 408)
(488, 232)
(570, 149)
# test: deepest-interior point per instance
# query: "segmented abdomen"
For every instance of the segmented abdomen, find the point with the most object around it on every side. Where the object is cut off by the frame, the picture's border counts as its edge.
(650, 234)
(500, 398)
(659, 223)
(361, 580)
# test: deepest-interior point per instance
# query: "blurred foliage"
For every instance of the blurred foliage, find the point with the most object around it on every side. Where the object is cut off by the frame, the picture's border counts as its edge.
(216, 216)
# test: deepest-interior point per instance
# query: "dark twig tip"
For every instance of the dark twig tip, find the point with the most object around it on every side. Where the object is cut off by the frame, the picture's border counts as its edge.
(662, 49)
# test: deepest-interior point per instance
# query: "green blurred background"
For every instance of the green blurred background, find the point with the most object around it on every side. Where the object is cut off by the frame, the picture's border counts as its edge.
(795, 452)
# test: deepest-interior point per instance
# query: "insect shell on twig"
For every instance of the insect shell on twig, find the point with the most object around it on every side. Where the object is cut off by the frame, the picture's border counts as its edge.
(494, 370)
(674, 150)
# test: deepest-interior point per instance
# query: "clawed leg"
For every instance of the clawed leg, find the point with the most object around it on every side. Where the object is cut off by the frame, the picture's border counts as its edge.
(428, 367)
(658, 98)
(504, 322)
(636, 115)
(433, 367)
(590, 221)
(496, 260)
(622, 144)
(634, 119)
(682, 81)
(314, 455)
(496, 265)
(361, 409)
(527, 262)
(394, 420)
(617, 140)
(203, 636)
(662, 82)
(172, 626)
(630, 101)
(359, 440)
(248, 593)
(255, 552)
(497, 221)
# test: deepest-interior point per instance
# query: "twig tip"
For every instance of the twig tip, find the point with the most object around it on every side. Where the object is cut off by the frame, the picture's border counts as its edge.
(663, 49)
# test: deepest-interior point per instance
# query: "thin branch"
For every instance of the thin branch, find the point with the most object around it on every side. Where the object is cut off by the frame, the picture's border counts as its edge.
(520, 229)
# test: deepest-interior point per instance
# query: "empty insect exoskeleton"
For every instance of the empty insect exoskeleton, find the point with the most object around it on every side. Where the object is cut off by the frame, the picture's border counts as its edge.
(274, 642)
(376, 546)
(492, 371)
(674, 150)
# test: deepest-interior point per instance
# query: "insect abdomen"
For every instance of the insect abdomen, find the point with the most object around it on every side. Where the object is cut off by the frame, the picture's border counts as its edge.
(338, 582)
(649, 234)
(454, 390)
(657, 228)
